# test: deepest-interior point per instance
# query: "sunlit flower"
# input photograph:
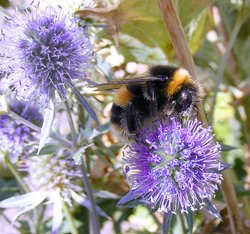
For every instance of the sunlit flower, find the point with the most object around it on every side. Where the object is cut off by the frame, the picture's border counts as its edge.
(44, 52)
(54, 173)
(174, 167)
(14, 135)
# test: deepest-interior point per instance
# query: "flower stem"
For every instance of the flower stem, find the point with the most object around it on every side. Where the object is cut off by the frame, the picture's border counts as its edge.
(19, 229)
(94, 216)
(38, 129)
(69, 219)
(24, 188)
(166, 222)
(16, 174)
(179, 41)
(232, 204)
(23, 121)
(71, 124)
(183, 228)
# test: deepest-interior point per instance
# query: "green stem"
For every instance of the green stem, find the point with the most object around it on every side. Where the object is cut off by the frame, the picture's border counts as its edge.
(69, 219)
(166, 222)
(36, 219)
(94, 215)
(222, 66)
(10, 222)
(24, 188)
(38, 129)
(183, 228)
(71, 123)
(60, 139)
(16, 174)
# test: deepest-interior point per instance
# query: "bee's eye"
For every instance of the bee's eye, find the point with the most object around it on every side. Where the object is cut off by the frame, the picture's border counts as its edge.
(184, 100)
(184, 96)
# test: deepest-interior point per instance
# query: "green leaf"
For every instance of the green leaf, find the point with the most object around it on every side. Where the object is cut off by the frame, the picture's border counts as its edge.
(99, 130)
(190, 10)
(85, 104)
(8, 188)
(82, 200)
(212, 209)
(105, 194)
(227, 147)
(129, 200)
(146, 25)
(105, 69)
(198, 29)
(143, 26)
(47, 125)
(135, 50)
(47, 149)
(4, 3)
(78, 154)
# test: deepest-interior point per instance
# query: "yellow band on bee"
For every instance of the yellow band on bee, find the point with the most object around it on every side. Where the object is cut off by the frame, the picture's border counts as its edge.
(122, 96)
(181, 76)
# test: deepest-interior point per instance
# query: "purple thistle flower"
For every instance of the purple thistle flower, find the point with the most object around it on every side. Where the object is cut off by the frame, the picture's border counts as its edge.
(174, 167)
(13, 134)
(44, 52)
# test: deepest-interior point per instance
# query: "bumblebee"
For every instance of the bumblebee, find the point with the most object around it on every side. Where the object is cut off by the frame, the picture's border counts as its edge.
(163, 91)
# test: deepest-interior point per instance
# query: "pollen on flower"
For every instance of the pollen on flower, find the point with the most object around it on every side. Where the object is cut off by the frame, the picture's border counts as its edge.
(44, 52)
(174, 166)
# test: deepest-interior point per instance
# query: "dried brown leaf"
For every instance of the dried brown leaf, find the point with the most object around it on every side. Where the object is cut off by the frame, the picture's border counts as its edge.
(114, 16)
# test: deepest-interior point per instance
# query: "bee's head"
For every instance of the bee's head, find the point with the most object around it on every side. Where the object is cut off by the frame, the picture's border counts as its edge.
(186, 98)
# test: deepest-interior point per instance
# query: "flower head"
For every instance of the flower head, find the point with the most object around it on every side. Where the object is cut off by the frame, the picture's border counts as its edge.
(44, 51)
(15, 135)
(54, 179)
(174, 167)
(55, 173)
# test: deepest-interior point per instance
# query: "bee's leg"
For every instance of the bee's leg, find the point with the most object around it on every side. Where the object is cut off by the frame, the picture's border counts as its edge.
(151, 95)
(117, 115)
(169, 108)
(133, 118)
(152, 107)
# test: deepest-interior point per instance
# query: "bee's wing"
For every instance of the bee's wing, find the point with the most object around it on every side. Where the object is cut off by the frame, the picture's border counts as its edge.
(118, 83)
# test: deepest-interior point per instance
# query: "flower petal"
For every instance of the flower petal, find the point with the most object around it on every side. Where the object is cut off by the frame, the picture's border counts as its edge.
(26, 202)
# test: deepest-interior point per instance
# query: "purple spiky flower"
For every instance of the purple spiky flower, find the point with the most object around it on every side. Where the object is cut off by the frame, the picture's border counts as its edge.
(44, 52)
(14, 135)
(174, 167)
